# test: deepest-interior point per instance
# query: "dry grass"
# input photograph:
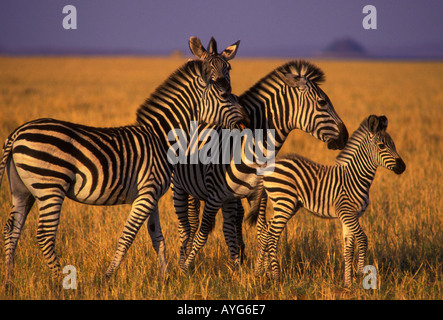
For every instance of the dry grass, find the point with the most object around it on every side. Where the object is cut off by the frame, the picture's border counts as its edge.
(403, 222)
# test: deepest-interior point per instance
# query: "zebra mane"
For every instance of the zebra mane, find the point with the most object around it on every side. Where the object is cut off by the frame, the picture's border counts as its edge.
(297, 67)
(305, 69)
(354, 141)
(192, 67)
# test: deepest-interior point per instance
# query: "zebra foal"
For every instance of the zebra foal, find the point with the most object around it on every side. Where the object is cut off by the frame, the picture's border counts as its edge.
(339, 191)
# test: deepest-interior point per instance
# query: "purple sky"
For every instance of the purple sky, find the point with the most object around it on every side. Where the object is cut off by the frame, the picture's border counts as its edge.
(286, 27)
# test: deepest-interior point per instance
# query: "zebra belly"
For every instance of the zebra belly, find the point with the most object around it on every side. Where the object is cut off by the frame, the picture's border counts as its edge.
(330, 214)
(320, 206)
(241, 184)
(112, 196)
(363, 206)
(202, 181)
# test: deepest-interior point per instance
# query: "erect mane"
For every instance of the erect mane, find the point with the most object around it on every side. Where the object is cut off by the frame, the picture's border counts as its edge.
(354, 141)
(297, 67)
(192, 67)
(305, 69)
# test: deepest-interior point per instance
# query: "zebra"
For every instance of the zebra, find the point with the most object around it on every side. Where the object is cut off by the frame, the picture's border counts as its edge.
(288, 98)
(340, 191)
(47, 159)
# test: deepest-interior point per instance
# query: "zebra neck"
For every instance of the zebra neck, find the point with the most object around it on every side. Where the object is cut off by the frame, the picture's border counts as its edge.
(266, 109)
(166, 128)
(174, 104)
(359, 166)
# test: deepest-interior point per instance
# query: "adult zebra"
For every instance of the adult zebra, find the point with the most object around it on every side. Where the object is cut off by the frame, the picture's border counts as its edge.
(287, 98)
(339, 191)
(47, 160)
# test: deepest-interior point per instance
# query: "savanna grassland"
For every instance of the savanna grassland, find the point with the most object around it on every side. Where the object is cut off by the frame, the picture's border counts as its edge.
(404, 221)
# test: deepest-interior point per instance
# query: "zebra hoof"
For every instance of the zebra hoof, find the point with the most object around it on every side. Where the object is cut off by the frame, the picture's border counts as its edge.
(57, 276)
(235, 264)
(109, 273)
(9, 286)
(186, 268)
(242, 254)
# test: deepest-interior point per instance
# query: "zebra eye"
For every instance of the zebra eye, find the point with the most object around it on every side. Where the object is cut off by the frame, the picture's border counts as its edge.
(322, 102)
(382, 146)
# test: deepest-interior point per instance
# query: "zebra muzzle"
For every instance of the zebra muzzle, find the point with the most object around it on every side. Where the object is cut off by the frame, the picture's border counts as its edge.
(400, 166)
(341, 140)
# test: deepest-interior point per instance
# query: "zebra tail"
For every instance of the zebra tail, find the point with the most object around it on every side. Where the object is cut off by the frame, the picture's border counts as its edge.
(212, 227)
(6, 152)
(255, 199)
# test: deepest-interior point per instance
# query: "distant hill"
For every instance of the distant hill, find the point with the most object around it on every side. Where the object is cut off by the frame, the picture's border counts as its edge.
(341, 48)
(344, 48)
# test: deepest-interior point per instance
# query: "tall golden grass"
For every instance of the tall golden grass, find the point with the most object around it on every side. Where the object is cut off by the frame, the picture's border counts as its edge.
(404, 220)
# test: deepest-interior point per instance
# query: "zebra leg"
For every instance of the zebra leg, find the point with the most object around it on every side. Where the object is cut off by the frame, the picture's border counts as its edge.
(348, 249)
(209, 212)
(263, 254)
(158, 240)
(362, 243)
(180, 199)
(262, 234)
(229, 211)
(141, 209)
(352, 231)
(283, 211)
(194, 220)
(262, 225)
(22, 202)
(49, 219)
(239, 229)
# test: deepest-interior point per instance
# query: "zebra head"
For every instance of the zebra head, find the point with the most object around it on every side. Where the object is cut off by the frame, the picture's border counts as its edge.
(314, 111)
(217, 63)
(216, 69)
(382, 146)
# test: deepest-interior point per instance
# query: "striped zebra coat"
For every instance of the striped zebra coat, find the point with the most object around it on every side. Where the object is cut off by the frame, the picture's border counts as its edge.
(339, 192)
(288, 98)
(47, 160)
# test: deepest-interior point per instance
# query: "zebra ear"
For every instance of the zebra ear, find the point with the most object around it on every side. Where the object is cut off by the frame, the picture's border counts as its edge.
(383, 122)
(377, 123)
(212, 46)
(293, 80)
(197, 48)
(230, 52)
(373, 123)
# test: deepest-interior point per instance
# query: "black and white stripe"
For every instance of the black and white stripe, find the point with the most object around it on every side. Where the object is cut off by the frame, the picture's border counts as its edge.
(339, 192)
(288, 98)
(47, 160)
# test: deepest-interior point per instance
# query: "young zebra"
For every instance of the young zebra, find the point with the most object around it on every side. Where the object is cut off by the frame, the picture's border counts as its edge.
(288, 98)
(47, 160)
(339, 191)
